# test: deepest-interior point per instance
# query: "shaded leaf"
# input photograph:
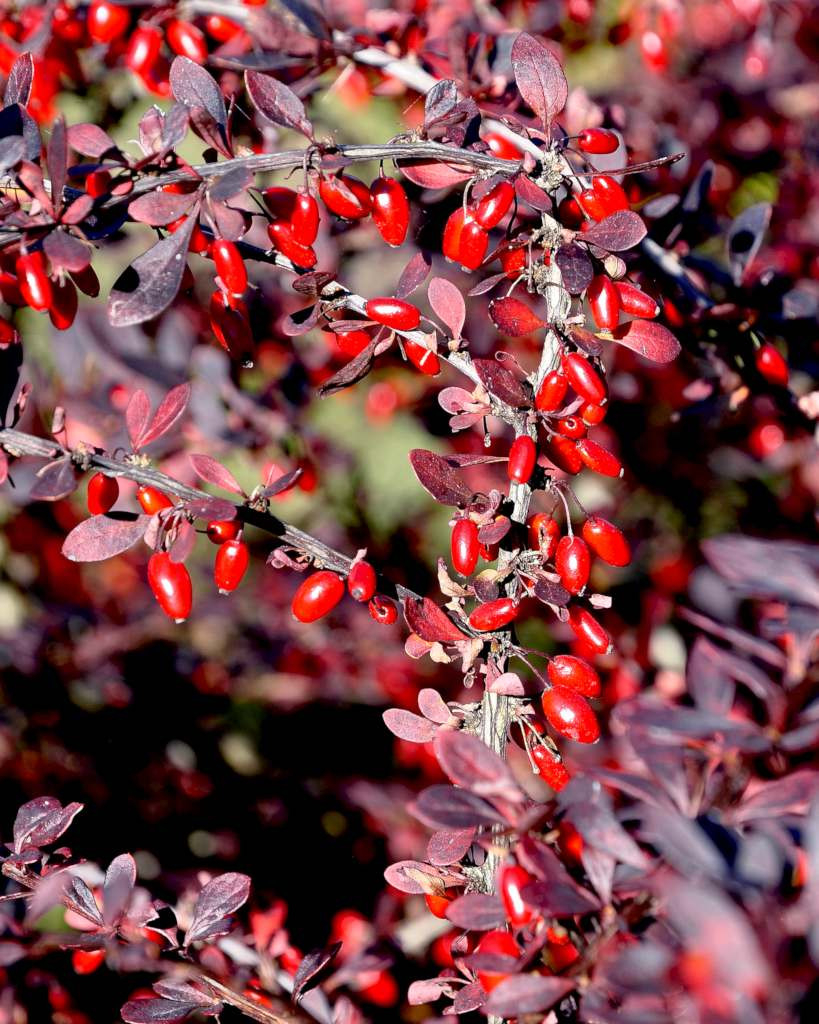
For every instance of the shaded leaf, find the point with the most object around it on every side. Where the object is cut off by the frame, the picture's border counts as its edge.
(137, 416)
(576, 267)
(311, 966)
(791, 794)
(559, 899)
(101, 537)
(151, 283)
(435, 173)
(470, 997)
(514, 318)
(551, 593)
(441, 99)
(438, 478)
(476, 911)
(526, 993)
(120, 879)
(648, 339)
(18, 84)
(447, 304)
(539, 78)
(448, 807)
(501, 383)
(56, 481)
(413, 275)
(66, 252)
(277, 102)
(764, 567)
(531, 194)
(470, 763)
(153, 1011)
(193, 86)
(431, 622)
(220, 898)
(350, 373)
(161, 208)
(57, 160)
(12, 151)
(621, 230)
(81, 900)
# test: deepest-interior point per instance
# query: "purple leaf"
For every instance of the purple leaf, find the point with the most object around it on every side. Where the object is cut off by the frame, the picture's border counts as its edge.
(101, 537)
(350, 373)
(12, 151)
(648, 339)
(621, 230)
(151, 283)
(539, 78)
(312, 964)
(682, 843)
(433, 706)
(90, 140)
(430, 622)
(471, 997)
(514, 318)
(137, 416)
(777, 798)
(154, 1011)
(277, 103)
(55, 481)
(763, 568)
(230, 185)
(430, 989)
(210, 508)
(440, 101)
(220, 898)
(18, 84)
(551, 593)
(215, 473)
(476, 911)
(80, 899)
(576, 267)
(57, 160)
(66, 252)
(413, 275)
(438, 478)
(526, 993)
(531, 194)
(448, 846)
(499, 382)
(120, 879)
(470, 763)
(407, 726)
(708, 682)
(39, 822)
(601, 829)
(559, 899)
(160, 208)
(451, 808)
(172, 406)
(194, 87)
(447, 304)
(586, 341)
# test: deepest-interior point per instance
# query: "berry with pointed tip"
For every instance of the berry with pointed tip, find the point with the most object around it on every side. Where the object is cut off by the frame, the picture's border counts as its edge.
(465, 546)
(577, 674)
(493, 615)
(606, 541)
(552, 392)
(32, 276)
(107, 22)
(351, 343)
(361, 581)
(512, 879)
(544, 533)
(522, 459)
(187, 40)
(383, 610)
(171, 585)
(152, 500)
(103, 492)
(597, 140)
(771, 365)
(497, 943)
(232, 560)
(280, 233)
(422, 358)
(221, 530)
(591, 204)
(635, 302)
(550, 768)
(493, 207)
(604, 302)
(397, 314)
(229, 265)
(390, 208)
(584, 378)
(568, 714)
(588, 630)
(317, 595)
(304, 218)
(598, 459)
(345, 196)
(573, 563)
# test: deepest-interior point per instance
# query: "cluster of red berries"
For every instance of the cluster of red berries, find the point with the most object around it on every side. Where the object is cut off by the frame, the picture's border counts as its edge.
(321, 591)
(27, 280)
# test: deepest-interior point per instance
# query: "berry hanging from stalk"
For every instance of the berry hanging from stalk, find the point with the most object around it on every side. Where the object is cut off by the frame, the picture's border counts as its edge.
(522, 459)
(229, 265)
(512, 879)
(577, 674)
(552, 392)
(345, 196)
(465, 242)
(281, 235)
(493, 207)
(171, 585)
(771, 365)
(598, 459)
(221, 530)
(187, 40)
(499, 944)
(588, 630)
(32, 276)
(584, 378)
(422, 358)
(107, 21)
(569, 714)
(465, 546)
(544, 533)
(550, 767)
(103, 492)
(606, 541)
(635, 302)
(573, 563)
(362, 581)
(231, 564)
(604, 302)
(317, 595)
(597, 140)
(390, 209)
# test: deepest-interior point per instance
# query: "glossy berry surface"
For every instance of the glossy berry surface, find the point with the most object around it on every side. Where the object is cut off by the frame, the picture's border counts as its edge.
(345, 196)
(494, 614)
(544, 533)
(465, 547)
(635, 302)
(493, 207)
(573, 563)
(584, 378)
(390, 210)
(383, 610)
(230, 566)
(186, 40)
(171, 585)
(598, 459)
(422, 358)
(568, 714)
(597, 140)
(362, 581)
(770, 363)
(221, 530)
(512, 879)
(522, 459)
(604, 302)
(575, 673)
(229, 265)
(550, 768)
(552, 392)
(103, 492)
(152, 500)
(107, 21)
(32, 275)
(465, 242)
(588, 630)
(317, 596)
(606, 541)
(499, 943)
(394, 313)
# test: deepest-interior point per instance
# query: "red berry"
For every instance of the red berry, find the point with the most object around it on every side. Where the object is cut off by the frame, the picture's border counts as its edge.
(8, 334)
(86, 961)
(351, 343)
(569, 714)
(383, 610)
(544, 532)
(437, 903)
(422, 358)
(64, 302)
(280, 233)
(588, 630)
(573, 563)
(390, 208)
(107, 22)
(550, 768)
(32, 276)
(572, 427)
(144, 49)
(598, 459)
(502, 147)
(231, 564)
(562, 451)
(635, 302)
(511, 881)
(102, 495)
(552, 392)
(606, 541)
(465, 242)
(152, 500)
(317, 595)
(584, 378)
(281, 201)
(494, 615)
(187, 40)
(221, 530)
(610, 194)
(514, 261)
(498, 944)
(361, 581)
(771, 365)
(229, 265)
(577, 674)
(97, 183)
(590, 203)
(492, 208)
(220, 28)
(604, 302)
(394, 313)
(345, 196)
(304, 218)
(597, 140)
(522, 459)
(592, 414)
(171, 585)
(465, 546)
(569, 213)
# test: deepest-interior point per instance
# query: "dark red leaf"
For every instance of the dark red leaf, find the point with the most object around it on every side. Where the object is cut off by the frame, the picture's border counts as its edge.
(277, 102)
(349, 374)
(311, 966)
(526, 993)
(430, 622)
(648, 339)
(621, 230)
(449, 807)
(439, 478)
(42, 820)
(470, 763)
(539, 78)
(514, 318)
(448, 846)
(435, 173)
(476, 911)
(137, 416)
(120, 879)
(215, 473)
(80, 899)
(408, 726)
(160, 208)
(57, 160)
(447, 304)
(90, 140)
(194, 87)
(66, 252)
(413, 275)
(531, 194)
(576, 267)
(155, 1011)
(101, 537)
(499, 382)
(18, 84)
(171, 408)
(220, 898)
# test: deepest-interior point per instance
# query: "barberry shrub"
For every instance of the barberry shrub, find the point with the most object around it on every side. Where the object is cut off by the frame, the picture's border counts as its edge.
(491, 338)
